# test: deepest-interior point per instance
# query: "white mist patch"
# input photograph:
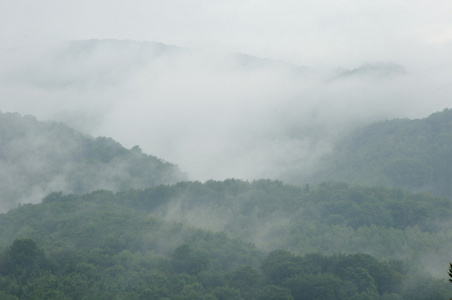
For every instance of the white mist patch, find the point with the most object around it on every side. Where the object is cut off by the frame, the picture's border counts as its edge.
(203, 217)
(217, 115)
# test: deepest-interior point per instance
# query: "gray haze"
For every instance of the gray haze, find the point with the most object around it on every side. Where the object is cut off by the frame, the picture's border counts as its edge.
(317, 33)
(37, 158)
(253, 88)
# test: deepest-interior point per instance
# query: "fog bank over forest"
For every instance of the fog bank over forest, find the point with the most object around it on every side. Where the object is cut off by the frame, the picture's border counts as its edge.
(216, 114)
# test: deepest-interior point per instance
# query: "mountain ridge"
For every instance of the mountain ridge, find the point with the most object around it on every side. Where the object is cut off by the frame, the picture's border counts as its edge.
(412, 154)
(40, 157)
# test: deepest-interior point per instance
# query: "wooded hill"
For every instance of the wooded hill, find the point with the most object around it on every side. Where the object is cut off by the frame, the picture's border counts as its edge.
(121, 224)
(415, 155)
(193, 241)
(37, 158)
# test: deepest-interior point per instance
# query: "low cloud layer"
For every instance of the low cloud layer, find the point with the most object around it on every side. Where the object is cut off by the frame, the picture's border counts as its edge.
(215, 114)
(318, 33)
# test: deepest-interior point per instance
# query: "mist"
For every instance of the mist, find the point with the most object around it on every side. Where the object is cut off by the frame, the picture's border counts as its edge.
(216, 114)
(244, 89)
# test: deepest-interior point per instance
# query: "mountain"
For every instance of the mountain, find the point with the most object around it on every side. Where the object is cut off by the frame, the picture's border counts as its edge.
(415, 155)
(129, 227)
(102, 63)
(39, 157)
(251, 117)
(377, 70)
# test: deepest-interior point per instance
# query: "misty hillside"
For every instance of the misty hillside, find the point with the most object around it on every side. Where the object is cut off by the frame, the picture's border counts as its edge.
(145, 233)
(66, 64)
(378, 70)
(414, 155)
(250, 116)
(100, 63)
(196, 241)
(225, 150)
(39, 157)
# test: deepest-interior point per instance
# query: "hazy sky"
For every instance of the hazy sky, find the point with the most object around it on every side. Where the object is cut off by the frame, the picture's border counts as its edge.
(314, 32)
(213, 114)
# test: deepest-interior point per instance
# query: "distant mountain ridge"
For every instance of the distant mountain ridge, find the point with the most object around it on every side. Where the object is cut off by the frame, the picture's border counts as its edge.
(39, 157)
(67, 63)
(377, 70)
(415, 155)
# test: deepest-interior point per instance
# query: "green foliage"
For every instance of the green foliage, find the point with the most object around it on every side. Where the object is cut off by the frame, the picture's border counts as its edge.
(75, 274)
(39, 157)
(246, 279)
(329, 218)
(414, 155)
(450, 272)
(185, 260)
(274, 292)
(226, 293)
(279, 265)
(318, 286)
(193, 240)
(139, 244)
(23, 253)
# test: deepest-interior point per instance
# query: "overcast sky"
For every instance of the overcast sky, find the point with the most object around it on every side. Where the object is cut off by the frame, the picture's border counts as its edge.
(207, 111)
(307, 32)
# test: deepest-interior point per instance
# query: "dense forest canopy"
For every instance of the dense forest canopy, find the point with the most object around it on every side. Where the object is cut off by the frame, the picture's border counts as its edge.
(101, 244)
(414, 155)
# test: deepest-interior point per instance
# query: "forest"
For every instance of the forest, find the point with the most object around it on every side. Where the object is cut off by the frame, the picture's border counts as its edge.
(37, 158)
(155, 235)
(413, 155)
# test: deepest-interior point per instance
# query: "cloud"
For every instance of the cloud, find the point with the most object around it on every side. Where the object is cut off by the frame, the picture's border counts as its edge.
(316, 33)
(216, 114)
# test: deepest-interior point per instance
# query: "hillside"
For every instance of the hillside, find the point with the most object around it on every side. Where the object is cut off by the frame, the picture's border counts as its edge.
(165, 243)
(414, 155)
(114, 223)
(38, 157)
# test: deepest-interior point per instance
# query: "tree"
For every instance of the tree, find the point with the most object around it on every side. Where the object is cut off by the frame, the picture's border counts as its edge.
(279, 265)
(246, 279)
(274, 292)
(23, 257)
(450, 272)
(322, 286)
(186, 260)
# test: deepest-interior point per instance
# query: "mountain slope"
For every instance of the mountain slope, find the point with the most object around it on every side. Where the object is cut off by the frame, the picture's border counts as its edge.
(116, 245)
(415, 155)
(37, 158)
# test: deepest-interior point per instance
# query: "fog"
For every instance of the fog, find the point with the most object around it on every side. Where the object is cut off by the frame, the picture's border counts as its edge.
(240, 89)
(216, 114)
(317, 33)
